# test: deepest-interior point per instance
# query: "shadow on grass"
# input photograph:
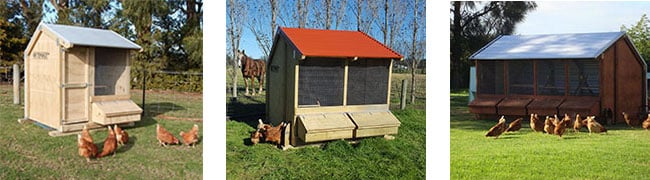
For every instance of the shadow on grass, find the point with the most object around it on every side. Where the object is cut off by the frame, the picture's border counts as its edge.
(238, 109)
(126, 147)
(146, 120)
(569, 137)
(507, 136)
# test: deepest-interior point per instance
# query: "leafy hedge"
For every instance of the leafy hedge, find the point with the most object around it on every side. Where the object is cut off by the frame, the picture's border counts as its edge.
(177, 81)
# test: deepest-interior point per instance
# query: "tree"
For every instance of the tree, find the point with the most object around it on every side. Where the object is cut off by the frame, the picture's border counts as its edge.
(302, 11)
(12, 41)
(472, 28)
(640, 34)
(236, 15)
(87, 13)
(274, 15)
(340, 7)
(257, 24)
(417, 44)
(32, 13)
(193, 34)
(366, 18)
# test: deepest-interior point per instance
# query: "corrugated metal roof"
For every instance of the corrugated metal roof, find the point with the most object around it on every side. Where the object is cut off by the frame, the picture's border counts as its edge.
(90, 36)
(547, 46)
(337, 43)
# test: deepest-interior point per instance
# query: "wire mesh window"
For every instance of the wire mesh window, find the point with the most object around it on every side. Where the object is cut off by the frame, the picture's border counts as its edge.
(520, 77)
(490, 74)
(368, 81)
(583, 78)
(551, 78)
(110, 65)
(320, 82)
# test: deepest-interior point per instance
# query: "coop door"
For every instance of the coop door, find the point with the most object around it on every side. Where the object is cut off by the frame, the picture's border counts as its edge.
(75, 87)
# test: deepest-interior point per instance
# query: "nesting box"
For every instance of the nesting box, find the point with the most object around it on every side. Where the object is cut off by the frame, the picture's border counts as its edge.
(329, 84)
(595, 74)
(76, 76)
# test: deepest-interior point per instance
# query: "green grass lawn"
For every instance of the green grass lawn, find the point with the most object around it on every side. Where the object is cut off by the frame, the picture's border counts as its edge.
(27, 152)
(619, 154)
(371, 158)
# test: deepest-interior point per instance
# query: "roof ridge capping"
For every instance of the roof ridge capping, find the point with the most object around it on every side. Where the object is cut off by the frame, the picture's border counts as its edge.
(382, 44)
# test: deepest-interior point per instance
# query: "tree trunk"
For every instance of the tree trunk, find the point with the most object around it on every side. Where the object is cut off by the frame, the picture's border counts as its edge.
(413, 50)
(456, 47)
(413, 82)
(385, 21)
(359, 15)
(328, 17)
(274, 14)
(234, 75)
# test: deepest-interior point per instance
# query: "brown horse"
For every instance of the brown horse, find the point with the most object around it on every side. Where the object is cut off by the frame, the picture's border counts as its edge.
(251, 69)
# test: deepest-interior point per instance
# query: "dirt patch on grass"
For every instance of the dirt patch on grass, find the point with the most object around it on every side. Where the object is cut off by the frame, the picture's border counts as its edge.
(197, 95)
(162, 116)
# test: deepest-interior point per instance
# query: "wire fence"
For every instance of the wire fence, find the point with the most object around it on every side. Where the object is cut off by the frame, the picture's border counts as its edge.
(170, 95)
(6, 75)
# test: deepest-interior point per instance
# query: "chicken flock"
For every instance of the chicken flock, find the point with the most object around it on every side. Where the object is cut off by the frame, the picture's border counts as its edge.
(118, 137)
(553, 125)
(271, 134)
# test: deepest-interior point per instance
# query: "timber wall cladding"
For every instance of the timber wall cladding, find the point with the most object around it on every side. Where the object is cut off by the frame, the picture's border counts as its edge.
(44, 81)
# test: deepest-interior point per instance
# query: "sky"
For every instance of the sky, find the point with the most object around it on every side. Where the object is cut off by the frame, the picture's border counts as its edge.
(253, 50)
(555, 17)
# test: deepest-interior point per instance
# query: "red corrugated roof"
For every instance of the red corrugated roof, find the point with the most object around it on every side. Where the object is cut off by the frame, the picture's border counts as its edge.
(337, 43)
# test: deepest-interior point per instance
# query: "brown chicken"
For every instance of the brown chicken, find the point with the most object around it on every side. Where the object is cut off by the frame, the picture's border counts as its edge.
(536, 124)
(549, 125)
(497, 129)
(85, 134)
(164, 137)
(560, 127)
(646, 123)
(629, 120)
(514, 125)
(594, 126)
(191, 137)
(577, 124)
(273, 134)
(555, 119)
(260, 124)
(255, 136)
(110, 144)
(86, 149)
(567, 120)
(121, 135)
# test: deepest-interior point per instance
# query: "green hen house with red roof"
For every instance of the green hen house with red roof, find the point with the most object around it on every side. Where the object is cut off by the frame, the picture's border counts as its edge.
(329, 85)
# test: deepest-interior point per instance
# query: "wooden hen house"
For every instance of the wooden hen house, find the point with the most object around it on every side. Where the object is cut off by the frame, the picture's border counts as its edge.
(76, 76)
(599, 74)
(329, 85)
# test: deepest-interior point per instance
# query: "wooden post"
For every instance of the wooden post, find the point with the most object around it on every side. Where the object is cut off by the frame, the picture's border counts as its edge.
(402, 103)
(144, 87)
(16, 79)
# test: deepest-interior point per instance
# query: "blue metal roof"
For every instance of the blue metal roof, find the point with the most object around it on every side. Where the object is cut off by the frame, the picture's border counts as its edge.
(547, 46)
(90, 36)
